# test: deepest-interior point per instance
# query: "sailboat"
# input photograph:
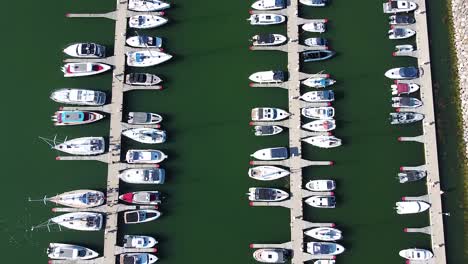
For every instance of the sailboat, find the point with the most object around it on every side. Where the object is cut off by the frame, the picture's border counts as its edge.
(76, 199)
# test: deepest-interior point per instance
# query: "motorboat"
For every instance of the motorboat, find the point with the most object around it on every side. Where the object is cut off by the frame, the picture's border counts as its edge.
(267, 130)
(316, 42)
(83, 146)
(142, 79)
(141, 216)
(400, 33)
(268, 40)
(411, 207)
(402, 73)
(324, 112)
(268, 114)
(321, 125)
(258, 194)
(78, 69)
(137, 258)
(268, 77)
(404, 88)
(324, 233)
(321, 201)
(143, 176)
(146, 21)
(146, 58)
(405, 118)
(142, 197)
(321, 185)
(398, 6)
(318, 82)
(406, 102)
(266, 19)
(85, 50)
(269, 4)
(316, 55)
(82, 221)
(411, 175)
(144, 41)
(145, 156)
(78, 97)
(314, 3)
(146, 135)
(416, 254)
(280, 153)
(70, 252)
(143, 118)
(267, 173)
(147, 5)
(401, 49)
(324, 248)
(315, 27)
(78, 198)
(323, 141)
(400, 19)
(318, 96)
(271, 255)
(72, 118)
(325, 261)
(138, 241)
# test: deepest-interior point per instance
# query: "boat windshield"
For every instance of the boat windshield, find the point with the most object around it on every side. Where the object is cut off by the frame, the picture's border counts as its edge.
(88, 49)
(141, 20)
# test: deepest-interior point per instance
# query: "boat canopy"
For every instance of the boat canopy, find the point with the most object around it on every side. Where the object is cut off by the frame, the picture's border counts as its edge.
(72, 116)
(399, 32)
(87, 49)
(141, 117)
(137, 77)
(409, 72)
(266, 38)
(403, 88)
(400, 19)
(278, 76)
(279, 153)
(324, 248)
(140, 57)
(265, 194)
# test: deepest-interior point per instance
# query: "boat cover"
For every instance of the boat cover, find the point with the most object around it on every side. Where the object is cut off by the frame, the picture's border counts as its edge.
(72, 116)
(323, 248)
(278, 75)
(404, 19)
(267, 130)
(88, 49)
(408, 72)
(266, 38)
(141, 117)
(279, 153)
(265, 194)
(137, 78)
(141, 20)
(403, 88)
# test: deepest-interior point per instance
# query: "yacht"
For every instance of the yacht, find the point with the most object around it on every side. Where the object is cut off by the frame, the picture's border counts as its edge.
(321, 185)
(321, 125)
(142, 79)
(83, 146)
(321, 201)
(323, 141)
(137, 258)
(316, 42)
(145, 156)
(314, 3)
(398, 6)
(404, 88)
(82, 221)
(258, 194)
(411, 175)
(267, 130)
(317, 27)
(268, 40)
(411, 207)
(72, 118)
(271, 154)
(318, 82)
(325, 112)
(144, 42)
(400, 33)
(70, 252)
(400, 19)
(141, 216)
(406, 102)
(269, 4)
(141, 197)
(79, 69)
(405, 118)
(268, 77)
(146, 21)
(147, 5)
(402, 73)
(324, 233)
(146, 58)
(402, 49)
(266, 19)
(79, 198)
(146, 135)
(271, 255)
(143, 176)
(85, 50)
(138, 241)
(268, 114)
(324, 248)
(78, 97)
(318, 96)
(267, 173)
(316, 55)
(143, 118)
(416, 254)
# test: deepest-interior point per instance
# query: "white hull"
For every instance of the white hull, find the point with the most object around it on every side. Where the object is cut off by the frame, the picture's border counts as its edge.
(316, 82)
(270, 255)
(315, 27)
(407, 33)
(143, 176)
(79, 199)
(146, 58)
(137, 241)
(313, 3)
(79, 69)
(269, 154)
(138, 258)
(268, 114)
(85, 50)
(277, 40)
(150, 215)
(146, 21)
(145, 156)
(320, 202)
(325, 261)
(78, 97)
(324, 233)
(411, 207)
(146, 135)
(264, 5)
(416, 254)
(323, 141)
(321, 185)
(320, 125)
(314, 248)
(400, 7)
(318, 96)
(135, 42)
(80, 221)
(266, 19)
(267, 173)
(70, 252)
(269, 131)
(141, 197)
(60, 118)
(83, 146)
(280, 195)
(326, 112)
(396, 74)
(264, 77)
(147, 6)
(144, 118)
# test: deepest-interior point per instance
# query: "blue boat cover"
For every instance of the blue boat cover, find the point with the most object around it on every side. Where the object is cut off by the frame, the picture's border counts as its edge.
(409, 72)
(279, 153)
(139, 57)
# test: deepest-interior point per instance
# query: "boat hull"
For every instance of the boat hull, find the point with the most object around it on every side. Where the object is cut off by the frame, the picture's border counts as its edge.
(320, 125)
(147, 6)
(61, 251)
(59, 121)
(267, 173)
(324, 233)
(79, 221)
(143, 176)
(70, 69)
(150, 21)
(72, 199)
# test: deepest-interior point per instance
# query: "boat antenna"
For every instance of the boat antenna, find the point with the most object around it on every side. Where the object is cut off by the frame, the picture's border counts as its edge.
(146, 45)
(45, 199)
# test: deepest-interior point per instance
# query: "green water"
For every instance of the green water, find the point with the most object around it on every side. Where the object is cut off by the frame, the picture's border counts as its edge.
(206, 106)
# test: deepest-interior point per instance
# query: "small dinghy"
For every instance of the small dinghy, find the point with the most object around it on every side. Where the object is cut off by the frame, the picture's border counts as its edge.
(81, 221)
(411, 175)
(317, 27)
(271, 255)
(318, 82)
(267, 173)
(401, 20)
(318, 96)
(267, 130)
(83, 146)
(416, 254)
(150, 156)
(268, 40)
(321, 201)
(316, 55)
(325, 261)
(324, 233)
(257, 194)
(146, 135)
(316, 42)
(78, 199)
(271, 154)
(268, 77)
(402, 73)
(143, 176)
(314, 3)
(142, 79)
(146, 58)
(70, 252)
(323, 141)
(85, 50)
(143, 118)
(147, 5)
(403, 48)
(144, 42)
(411, 207)
(398, 6)
(142, 197)
(140, 216)
(78, 69)
(138, 241)
(404, 88)
(324, 248)
(325, 112)
(321, 185)
(406, 102)
(78, 97)
(268, 114)
(137, 258)
(72, 118)
(400, 33)
(146, 21)
(320, 125)
(269, 4)
(266, 19)
(405, 118)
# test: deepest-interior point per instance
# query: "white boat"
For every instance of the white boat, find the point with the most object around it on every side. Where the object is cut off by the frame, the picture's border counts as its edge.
(142, 197)
(318, 96)
(70, 252)
(317, 27)
(72, 118)
(405, 176)
(404, 88)
(416, 254)
(143, 176)
(267, 130)
(318, 82)
(141, 216)
(143, 118)
(324, 233)
(142, 79)
(138, 241)
(402, 73)
(267, 173)
(271, 154)
(400, 33)
(78, 69)
(78, 198)
(83, 146)
(405, 118)
(144, 42)
(266, 19)
(269, 4)
(268, 77)
(146, 58)
(82, 221)
(78, 97)
(406, 102)
(316, 42)
(145, 156)
(324, 248)
(321, 201)
(403, 49)
(271, 255)
(147, 5)
(398, 6)
(146, 135)
(268, 114)
(314, 3)
(137, 258)
(268, 40)
(321, 125)
(321, 185)
(146, 21)
(411, 207)
(85, 50)
(324, 112)
(400, 19)
(325, 261)
(323, 141)
(258, 194)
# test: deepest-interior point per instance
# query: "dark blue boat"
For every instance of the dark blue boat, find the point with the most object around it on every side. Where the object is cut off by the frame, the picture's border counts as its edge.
(316, 55)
